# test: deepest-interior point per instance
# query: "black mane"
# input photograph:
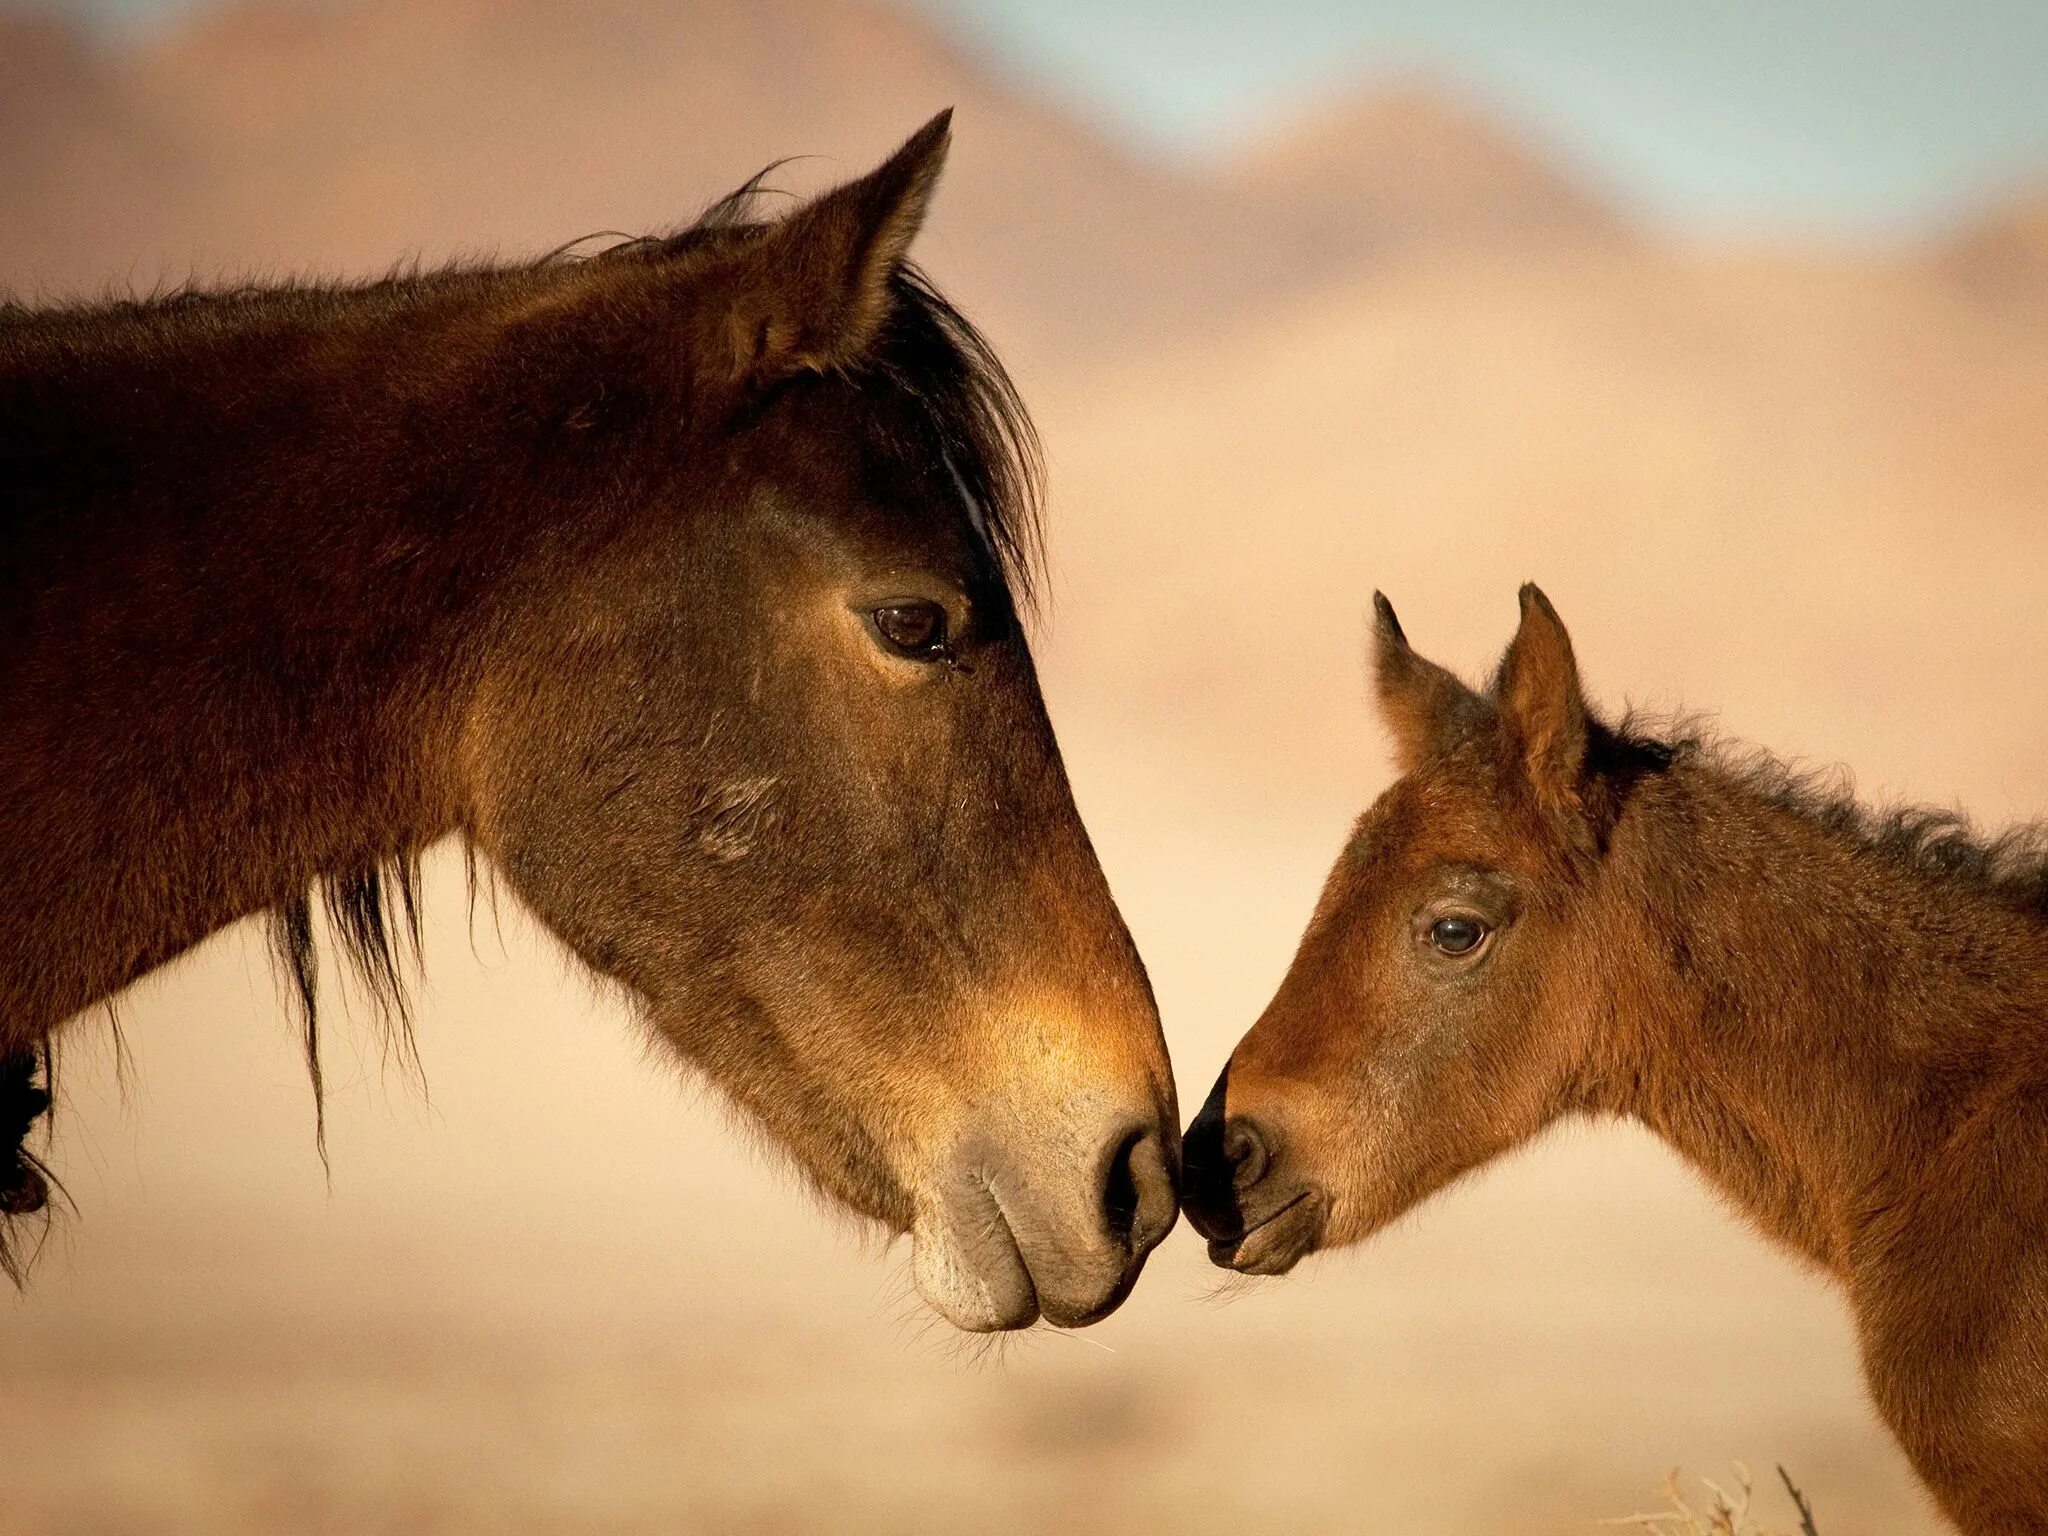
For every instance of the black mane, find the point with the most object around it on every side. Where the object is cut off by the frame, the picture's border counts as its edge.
(929, 351)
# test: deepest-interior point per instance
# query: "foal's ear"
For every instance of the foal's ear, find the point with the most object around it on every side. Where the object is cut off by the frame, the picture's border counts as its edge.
(1542, 707)
(1424, 706)
(815, 293)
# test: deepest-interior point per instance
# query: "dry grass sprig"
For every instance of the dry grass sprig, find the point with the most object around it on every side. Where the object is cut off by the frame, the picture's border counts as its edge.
(1727, 1513)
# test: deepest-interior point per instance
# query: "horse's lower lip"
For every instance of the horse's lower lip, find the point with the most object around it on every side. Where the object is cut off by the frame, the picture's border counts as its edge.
(1062, 1311)
(1028, 1308)
(1282, 1249)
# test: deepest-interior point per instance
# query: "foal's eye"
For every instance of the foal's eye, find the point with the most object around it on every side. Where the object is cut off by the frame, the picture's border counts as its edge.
(912, 627)
(1456, 935)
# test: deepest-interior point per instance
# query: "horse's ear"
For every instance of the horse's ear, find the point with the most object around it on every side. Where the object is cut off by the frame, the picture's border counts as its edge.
(1424, 706)
(1542, 707)
(815, 292)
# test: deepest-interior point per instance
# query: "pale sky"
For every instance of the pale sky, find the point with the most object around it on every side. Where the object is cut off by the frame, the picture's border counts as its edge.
(1826, 116)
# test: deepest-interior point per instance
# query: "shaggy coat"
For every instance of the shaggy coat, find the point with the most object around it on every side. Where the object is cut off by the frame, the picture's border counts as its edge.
(1841, 1019)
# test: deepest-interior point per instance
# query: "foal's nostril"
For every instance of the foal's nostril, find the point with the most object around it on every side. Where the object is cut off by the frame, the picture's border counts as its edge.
(1245, 1150)
(1224, 1157)
(1138, 1200)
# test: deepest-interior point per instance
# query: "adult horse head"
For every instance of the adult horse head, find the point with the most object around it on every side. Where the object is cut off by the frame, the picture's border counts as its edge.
(683, 582)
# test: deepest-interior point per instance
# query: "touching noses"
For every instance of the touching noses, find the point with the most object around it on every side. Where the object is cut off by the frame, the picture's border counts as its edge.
(1223, 1158)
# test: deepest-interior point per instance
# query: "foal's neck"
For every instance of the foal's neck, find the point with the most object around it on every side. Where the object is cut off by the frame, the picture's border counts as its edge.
(228, 656)
(1823, 1009)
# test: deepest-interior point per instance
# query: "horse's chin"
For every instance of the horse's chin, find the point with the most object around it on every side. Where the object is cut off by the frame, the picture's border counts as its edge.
(972, 1273)
(966, 1256)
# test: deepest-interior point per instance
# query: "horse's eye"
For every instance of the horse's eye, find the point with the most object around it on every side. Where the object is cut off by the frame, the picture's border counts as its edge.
(912, 627)
(1457, 935)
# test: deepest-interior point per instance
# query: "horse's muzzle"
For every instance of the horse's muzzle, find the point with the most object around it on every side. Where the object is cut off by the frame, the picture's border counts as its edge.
(1015, 1233)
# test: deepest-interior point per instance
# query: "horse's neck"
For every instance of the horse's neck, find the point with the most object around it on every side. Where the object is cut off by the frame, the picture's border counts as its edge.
(1817, 1021)
(218, 679)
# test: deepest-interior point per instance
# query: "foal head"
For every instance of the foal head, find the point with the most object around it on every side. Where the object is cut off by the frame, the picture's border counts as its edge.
(1439, 1006)
(772, 751)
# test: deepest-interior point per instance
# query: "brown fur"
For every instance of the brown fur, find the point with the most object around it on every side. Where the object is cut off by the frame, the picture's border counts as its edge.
(578, 561)
(1841, 1019)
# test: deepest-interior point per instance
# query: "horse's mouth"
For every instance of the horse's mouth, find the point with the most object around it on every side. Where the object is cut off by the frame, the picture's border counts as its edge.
(968, 1262)
(1276, 1242)
(991, 1258)
(1005, 1260)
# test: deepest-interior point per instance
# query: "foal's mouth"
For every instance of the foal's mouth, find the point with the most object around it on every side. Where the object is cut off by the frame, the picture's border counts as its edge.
(1276, 1242)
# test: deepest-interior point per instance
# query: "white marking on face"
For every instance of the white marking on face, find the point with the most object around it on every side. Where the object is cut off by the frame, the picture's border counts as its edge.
(730, 818)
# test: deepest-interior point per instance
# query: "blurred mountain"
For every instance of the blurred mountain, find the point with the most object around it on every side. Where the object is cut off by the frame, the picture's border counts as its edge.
(271, 137)
(267, 136)
(1776, 487)
(2003, 254)
(1414, 165)
(82, 169)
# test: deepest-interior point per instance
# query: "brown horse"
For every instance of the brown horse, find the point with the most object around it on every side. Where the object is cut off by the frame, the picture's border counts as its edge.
(1841, 1020)
(683, 584)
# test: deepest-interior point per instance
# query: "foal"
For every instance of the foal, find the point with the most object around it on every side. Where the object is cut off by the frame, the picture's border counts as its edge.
(1838, 1018)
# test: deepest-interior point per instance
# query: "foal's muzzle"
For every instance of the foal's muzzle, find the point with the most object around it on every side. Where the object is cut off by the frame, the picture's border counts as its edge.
(1259, 1217)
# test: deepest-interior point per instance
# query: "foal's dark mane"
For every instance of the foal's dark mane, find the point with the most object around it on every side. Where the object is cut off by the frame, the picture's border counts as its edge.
(1941, 847)
(966, 412)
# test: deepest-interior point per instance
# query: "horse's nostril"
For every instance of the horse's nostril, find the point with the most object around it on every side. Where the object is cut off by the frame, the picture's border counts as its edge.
(1120, 1193)
(1138, 1199)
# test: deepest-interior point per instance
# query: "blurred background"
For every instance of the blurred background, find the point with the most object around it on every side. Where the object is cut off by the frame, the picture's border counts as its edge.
(1729, 324)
